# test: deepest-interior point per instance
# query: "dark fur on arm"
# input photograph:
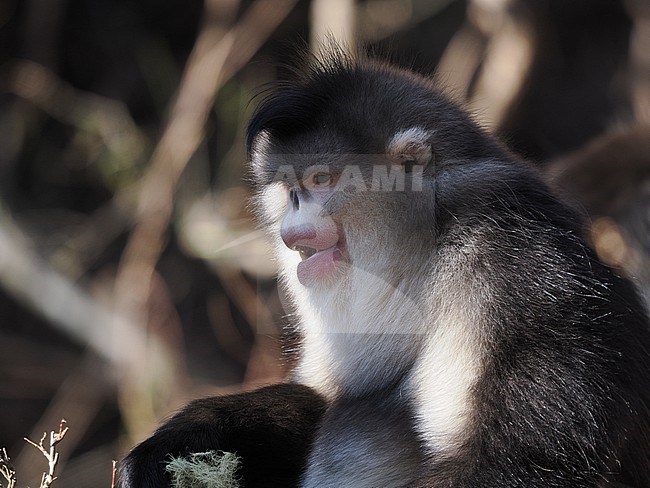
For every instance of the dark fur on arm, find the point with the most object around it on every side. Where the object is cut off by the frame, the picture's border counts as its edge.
(271, 429)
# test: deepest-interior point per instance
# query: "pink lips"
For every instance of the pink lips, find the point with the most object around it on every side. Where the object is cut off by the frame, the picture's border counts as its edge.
(321, 251)
(319, 266)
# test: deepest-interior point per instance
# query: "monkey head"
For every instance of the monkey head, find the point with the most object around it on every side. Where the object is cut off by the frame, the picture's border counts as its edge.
(346, 164)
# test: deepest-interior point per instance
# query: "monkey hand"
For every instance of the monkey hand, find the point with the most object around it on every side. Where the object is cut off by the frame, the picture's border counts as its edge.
(270, 429)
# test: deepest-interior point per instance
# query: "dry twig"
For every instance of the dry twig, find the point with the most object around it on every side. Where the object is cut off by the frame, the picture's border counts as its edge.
(7, 469)
(50, 453)
(114, 474)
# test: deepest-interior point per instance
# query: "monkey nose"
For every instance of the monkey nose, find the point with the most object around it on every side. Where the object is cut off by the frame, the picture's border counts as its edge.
(294, 197)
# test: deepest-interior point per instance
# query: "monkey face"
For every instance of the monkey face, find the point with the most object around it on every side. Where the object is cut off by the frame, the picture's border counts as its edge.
(332, 215)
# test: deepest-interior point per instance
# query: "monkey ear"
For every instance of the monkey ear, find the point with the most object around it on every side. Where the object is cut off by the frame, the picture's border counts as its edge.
(410, 146)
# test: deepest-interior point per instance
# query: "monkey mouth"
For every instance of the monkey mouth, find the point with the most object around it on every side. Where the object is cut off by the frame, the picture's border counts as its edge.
(318, 264)
(306, 252)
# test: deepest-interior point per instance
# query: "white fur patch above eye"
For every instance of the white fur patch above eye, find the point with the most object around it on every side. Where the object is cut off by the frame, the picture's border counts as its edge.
(411, 145)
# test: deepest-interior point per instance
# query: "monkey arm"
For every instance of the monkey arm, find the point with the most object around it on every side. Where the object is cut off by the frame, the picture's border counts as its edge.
(271, 429)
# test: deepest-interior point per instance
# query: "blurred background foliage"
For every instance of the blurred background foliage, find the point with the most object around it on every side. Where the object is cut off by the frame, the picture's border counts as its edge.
(131, 275)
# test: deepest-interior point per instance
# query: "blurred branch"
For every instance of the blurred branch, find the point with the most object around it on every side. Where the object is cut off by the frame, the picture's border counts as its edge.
(255, 27)
(332, 20)
(508, 58)
(488, 60)
(112, 123)
(87, 240)
(50, 294)
(33, 282)
(460, 60)
(262, 364)
(225, 330)
(218, 54)
(378, 19)
(107, 118)
(640, 59)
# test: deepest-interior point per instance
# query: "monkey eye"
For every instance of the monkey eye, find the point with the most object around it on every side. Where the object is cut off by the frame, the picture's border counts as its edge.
(321, 179)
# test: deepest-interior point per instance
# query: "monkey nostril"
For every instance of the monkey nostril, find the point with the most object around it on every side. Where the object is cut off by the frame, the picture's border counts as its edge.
(295, 198)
